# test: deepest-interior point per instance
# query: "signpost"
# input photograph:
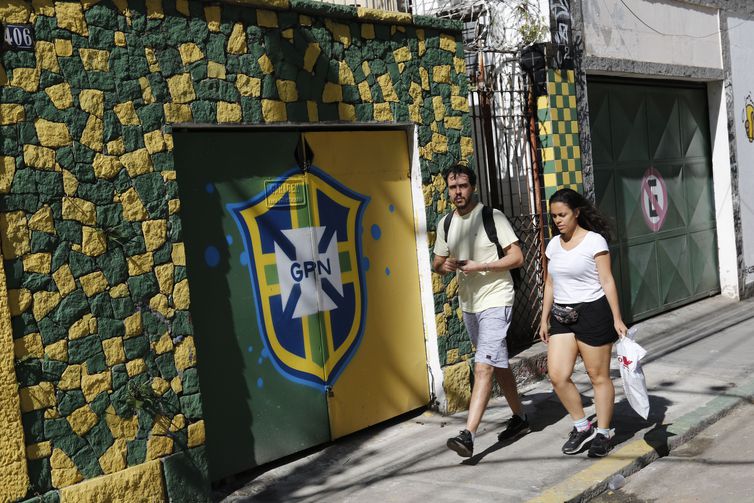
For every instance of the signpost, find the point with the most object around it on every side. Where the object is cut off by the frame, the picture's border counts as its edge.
(654, 199)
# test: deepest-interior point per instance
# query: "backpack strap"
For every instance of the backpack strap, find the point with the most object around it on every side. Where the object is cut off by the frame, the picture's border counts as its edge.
(446, 223)
(489, 227)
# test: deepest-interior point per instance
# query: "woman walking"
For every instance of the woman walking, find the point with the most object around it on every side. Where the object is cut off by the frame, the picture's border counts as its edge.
(581, 315)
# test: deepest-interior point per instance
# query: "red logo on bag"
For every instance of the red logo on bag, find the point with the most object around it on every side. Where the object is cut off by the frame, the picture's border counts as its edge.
(624, 361)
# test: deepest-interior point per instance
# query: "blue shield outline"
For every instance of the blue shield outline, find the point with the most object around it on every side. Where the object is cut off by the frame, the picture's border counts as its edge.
(265, 222)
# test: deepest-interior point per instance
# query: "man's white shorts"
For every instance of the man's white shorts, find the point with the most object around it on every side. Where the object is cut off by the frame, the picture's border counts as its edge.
(488, 330)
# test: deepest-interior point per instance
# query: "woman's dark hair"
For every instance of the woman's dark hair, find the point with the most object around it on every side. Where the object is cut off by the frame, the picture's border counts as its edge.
(589, 218)
(460, 169)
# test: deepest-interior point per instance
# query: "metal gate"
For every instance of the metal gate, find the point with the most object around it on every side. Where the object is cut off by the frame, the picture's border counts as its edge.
(653, 176)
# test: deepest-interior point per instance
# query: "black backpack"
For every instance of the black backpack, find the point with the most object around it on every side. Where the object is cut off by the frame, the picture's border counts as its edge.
(489, 228)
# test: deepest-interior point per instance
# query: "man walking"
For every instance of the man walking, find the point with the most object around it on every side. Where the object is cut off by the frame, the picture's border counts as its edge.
(485, 289)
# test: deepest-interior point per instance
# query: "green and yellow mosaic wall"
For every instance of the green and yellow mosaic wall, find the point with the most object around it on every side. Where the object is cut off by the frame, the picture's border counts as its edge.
(98, 387)
(560, 151)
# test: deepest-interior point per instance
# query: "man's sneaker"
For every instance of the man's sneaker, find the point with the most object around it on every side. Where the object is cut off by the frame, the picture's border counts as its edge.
(578, 439)
(516, 427)
(462, 444)
(601, 445)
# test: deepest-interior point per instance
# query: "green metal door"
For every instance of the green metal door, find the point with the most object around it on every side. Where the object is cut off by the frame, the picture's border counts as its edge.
(252, 413)
(653, 177)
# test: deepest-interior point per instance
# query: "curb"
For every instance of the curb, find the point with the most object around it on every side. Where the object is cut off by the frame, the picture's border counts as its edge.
(631, 458)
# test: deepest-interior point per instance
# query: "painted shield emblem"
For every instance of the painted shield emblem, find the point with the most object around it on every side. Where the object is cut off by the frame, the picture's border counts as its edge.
(303, 238)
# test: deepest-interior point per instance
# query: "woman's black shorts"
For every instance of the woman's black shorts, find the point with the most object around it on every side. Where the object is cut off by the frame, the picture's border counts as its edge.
(595, 325)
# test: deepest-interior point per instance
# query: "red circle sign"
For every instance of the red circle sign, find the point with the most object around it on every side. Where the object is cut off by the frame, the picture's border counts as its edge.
(654, 199)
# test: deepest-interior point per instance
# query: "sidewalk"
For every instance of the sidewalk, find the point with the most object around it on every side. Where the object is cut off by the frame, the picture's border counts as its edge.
(700, 364)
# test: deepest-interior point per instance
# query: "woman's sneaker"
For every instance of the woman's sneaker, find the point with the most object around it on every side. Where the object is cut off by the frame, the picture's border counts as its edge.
(516, 427)
(462, 444)
(578, 439)
(601, 446)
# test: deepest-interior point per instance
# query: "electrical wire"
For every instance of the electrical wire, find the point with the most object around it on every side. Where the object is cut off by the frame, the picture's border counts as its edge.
(676, 34)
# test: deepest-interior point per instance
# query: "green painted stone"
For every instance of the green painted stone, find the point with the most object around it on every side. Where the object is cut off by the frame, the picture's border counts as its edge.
(51, 332)
(182, 323)
(87, 462)
(69, 401)
(40, 477)
(64, 157)
(43, 28)
(215, 48)
(49, 183)
(13, 202)
(74, 72)
(163, 161)
(48, 78)
(18, 59)
(9, 139)
(143, 287)
(14, 273)
(175, 229)
(151, 187)
(57, 429)
(170, 61)
(99, 438)
(100, 38)
(102, 15)
(187, 476)
(128, 90)
(135, 246)
(69, 230)
(204, 111)
(198, 30)
(176, 30)
(190, 381)
(100, 404)
(83, 168)
(44, 108)
(29, 373)
(364, 112)
(38, 282)
(166, 365)
(351, 94)
(27, 133)
(297, 112)
(179, 274)
(323, 9)
(153, 323)
(119, 399)
(101, 305)
(112, 129)
(80, 264)
(24, 181)
(108, 327)
(123, 307)
(136, 347)
(110, 216)
(151, 116)
(29, 324)
(81, 349)
(133, 138)
(191, 406)
(120, 375)
(99, 192)
(33, 424)
(376, 91)
(198, 70)
(163, 254)
(96, 364)
(137, 451)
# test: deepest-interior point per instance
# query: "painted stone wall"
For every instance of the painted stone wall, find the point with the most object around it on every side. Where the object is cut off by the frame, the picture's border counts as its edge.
(97, 319)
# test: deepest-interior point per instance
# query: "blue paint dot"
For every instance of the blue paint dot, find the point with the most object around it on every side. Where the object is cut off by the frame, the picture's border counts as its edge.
(376, 231)
(259, 361)
(391, 208)
(265, 353)
(212, 256)
(260, 383)
(229, 239)
(209, 188)
(250, 349)
(387, 271)
(365, 263)
(244, 258)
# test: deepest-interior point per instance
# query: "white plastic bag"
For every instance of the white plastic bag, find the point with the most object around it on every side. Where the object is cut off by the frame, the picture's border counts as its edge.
(629, 362)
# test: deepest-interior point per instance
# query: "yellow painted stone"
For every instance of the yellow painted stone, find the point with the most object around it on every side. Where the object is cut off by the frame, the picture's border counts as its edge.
(39, 450)
(160, 386)
(237, 40)
(137, 162)
(168, 141)
(119, 39)
(140, 264)
(383, 112)
(439, 143)
(365, 92)
(178, 254)
(146, 90)
(19, 301)
(248, 86)
(310, 56)
(448, 43)
(457, 384)
(39, 157)
(385, 16)
(155, 233)
(228, 113)
(44, 302)
(152, 63)
(63, 47)
(70, 183)
(93, 133)
(212, 15)
(160, 304)
(439, 108)
(135, 367)
(127, 114)
(345, 75)
(176, 113)
(123, 428)
(460, 103)
(190, 53)
(106, 166)
(424, 75)
(181, 298)
(93, 242)
(133, 325)
(64, 471)
(119, 291)
(28, 346)
(287, 90)
(196, 434)
(288, 33)
(70, 16)
(37, 397)
(340, 32)
(52, 413)
(93, 385)
(7, 170)
(46, 57)
(459, 64)
(25, 78)
(367, 31)
(80, 210)
(44, 7)
(181, 88)
(441, 73)
(57, 351)
(178, 423)
(176, 385)
(388, 93)
(467, 147)
(114, 352)
(274, 111)
(185, 354)
(402, 54)
(95, 60)
(11, 114)
(114, 458)
(267, 18)
(163, 345)
(64, 280)
(414, 112)
(93, 283)
(71, 378)
(159, 446)
(144, 480)
(155, 141)
(346, 112)
(42, 220)
(333, 93)
(38, 262)
(454, 122)
(80, 328)
(154, 9)
(92, 101)
(164, 273)
(265, 64)
(82, 419)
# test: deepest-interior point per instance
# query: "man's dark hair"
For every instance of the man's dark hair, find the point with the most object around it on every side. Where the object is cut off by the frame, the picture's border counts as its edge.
(460, 169)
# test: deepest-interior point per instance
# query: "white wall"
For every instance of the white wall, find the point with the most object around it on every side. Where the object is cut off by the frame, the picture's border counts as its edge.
(741, 35)
(688, 34)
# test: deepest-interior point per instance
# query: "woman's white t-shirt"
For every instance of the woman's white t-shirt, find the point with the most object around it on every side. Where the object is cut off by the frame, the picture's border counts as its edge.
(574, 272)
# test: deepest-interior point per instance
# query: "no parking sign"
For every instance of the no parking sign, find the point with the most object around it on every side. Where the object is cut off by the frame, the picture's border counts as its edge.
(654, 199)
